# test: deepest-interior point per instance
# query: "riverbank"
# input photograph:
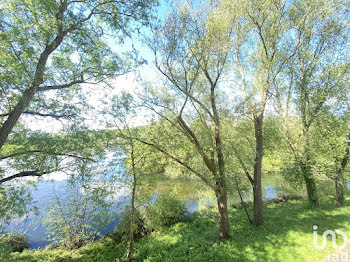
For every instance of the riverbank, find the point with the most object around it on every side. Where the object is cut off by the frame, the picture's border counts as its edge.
(286, 235)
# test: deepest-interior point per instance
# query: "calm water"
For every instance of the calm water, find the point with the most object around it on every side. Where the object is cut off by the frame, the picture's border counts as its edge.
(195, 195)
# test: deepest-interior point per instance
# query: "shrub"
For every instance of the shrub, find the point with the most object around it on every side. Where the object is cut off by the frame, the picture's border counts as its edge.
(16, 242)
(122, 230)
(76, 217)
(166, 211)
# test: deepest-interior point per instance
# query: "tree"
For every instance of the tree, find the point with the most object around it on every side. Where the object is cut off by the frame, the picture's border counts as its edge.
(133, 156)
(318, 31)
(331, 140)
(257, 38)
(191, 50)
(49, 48)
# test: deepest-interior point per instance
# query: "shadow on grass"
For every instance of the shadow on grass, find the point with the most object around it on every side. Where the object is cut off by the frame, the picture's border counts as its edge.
(197, 239)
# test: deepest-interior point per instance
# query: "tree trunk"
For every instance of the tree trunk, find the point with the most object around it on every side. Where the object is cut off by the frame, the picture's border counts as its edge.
(307, 171)
(133, 208)
(339, 190)
(339, 180)
(13, 117)
(257, 188)
(224, 228)
(131, 234)
(29, 93)
(310, 187)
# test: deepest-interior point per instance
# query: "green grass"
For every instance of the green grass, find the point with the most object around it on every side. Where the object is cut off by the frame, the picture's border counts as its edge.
(286, 235)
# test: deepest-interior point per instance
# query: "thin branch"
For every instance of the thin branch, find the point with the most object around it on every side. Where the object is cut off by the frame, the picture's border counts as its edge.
(41, 114)
(55, 87)
(176, 160)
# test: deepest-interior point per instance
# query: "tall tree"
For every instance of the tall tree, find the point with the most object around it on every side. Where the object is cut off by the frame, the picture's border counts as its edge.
(318, 30)
(133, 156)
(257, 38)
(48, 48)
(191, 50)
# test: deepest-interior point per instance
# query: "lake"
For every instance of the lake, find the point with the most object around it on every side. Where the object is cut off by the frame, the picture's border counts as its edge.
(194, 193)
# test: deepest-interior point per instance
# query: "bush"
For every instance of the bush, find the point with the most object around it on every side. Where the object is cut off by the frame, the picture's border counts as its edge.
(122, 230)
(16, 242)
(166, 211)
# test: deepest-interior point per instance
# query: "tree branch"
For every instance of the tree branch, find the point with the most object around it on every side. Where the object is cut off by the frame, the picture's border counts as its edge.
(45, 152)
(55, 87)
(41, 114)
(22, 174)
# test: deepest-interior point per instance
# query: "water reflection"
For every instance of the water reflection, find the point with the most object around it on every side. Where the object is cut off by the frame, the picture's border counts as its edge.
(270, 192)
(195, 194)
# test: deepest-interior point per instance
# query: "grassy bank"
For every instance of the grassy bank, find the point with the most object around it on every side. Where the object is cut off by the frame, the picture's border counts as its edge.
(287, 235)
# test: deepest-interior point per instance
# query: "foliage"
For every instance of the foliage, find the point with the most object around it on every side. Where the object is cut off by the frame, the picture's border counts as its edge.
(165, 211)
(54, 43)
(78, 218)
(42, 153)
(14, 202)
(16, 242)
(122, 230)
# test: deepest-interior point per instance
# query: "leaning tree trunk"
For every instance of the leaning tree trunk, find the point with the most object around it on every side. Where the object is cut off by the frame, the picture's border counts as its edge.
(221, 196)
(339, 189)
(257, 187)
(29, 93)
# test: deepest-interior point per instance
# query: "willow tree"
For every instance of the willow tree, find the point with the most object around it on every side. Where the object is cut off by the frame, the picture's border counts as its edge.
(191, 50)
(318, 32)
(257, 39)
(49, 48)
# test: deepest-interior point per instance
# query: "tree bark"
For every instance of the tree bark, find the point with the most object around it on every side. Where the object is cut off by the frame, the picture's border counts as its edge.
(307, 170)
(310, 186)
(221, 196)
(339, 179)
(13, 117)
(339, 190)
(257, 187)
